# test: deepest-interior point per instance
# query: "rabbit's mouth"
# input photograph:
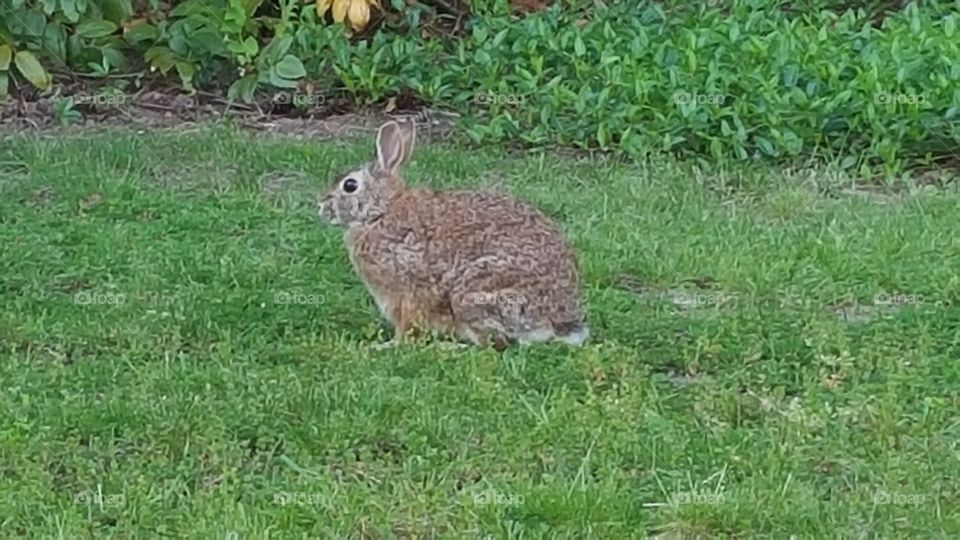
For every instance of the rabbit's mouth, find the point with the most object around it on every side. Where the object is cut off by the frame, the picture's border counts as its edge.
(327, 213)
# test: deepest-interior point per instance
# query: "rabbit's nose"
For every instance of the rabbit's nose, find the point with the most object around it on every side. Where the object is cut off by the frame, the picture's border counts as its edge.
(325, 209)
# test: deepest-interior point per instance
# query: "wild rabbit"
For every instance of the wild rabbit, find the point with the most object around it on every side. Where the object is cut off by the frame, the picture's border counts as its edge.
(476, 265)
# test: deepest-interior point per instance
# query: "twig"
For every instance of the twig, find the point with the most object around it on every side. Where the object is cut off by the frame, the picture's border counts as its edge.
(231, 104)
(99, 75)
(156, 107)
(446, 7)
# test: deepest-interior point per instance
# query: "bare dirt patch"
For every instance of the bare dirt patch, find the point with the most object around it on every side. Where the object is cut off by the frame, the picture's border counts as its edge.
(173, 110)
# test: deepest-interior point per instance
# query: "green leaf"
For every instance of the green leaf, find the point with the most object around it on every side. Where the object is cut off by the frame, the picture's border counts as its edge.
(765, 145)
(609, 60)
(252, 46)
(4, 84)
(117, 11)
(113, 57)
(275, 50)
(244, 89)
(6, 54)
(247, 48)
(55, 39)
(188, 8)
(725, 128)
(848, 162)
(280, 82)
(70, 10)
(160, 58)
(792, 143)
(480, 34)
(205, 41)
(140, 32)
(186, 72)
(30, 68)
(32, 21)
(290, 68)
(95, 29)
(579, 46)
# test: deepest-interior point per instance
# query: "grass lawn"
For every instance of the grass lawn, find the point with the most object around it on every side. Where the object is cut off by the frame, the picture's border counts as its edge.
(185, 352)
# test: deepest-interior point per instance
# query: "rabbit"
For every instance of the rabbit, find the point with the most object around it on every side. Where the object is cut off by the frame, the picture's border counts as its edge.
(479, 266)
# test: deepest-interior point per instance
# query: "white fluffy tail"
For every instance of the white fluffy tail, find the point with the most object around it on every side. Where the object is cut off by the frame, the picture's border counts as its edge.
(577, 337)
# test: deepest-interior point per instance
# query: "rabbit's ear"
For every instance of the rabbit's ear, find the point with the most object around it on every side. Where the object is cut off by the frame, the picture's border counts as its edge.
(409, 131)
(390, 152)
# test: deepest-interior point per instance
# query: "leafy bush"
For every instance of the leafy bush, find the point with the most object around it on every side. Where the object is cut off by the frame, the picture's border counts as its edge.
(745, 83)
(74, 33)
(728, 79)
(204, 42)
(737, 82)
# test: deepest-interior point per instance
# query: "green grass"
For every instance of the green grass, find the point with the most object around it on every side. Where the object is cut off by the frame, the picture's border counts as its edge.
(721, 392)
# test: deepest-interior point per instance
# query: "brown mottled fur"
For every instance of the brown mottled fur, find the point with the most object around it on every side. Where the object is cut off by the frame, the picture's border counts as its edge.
(481, 266)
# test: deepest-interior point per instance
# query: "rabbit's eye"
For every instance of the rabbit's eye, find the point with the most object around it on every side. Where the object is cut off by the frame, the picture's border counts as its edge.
(350, 185)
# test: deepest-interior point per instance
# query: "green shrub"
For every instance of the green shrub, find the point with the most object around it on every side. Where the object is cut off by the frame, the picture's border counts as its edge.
(726, 79)
(738, 82)
(205, 42)
(76, 34)
(742, 84)
(225, 44)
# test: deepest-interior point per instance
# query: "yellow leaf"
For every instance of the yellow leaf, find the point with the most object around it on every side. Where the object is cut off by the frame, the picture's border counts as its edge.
(359, 14)
(322, 7)
(5, 55)
(340, 10)
(31, 69)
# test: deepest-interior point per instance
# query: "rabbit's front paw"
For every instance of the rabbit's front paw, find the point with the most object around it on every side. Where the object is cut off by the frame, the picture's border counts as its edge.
(452, 345)
(386, 345)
